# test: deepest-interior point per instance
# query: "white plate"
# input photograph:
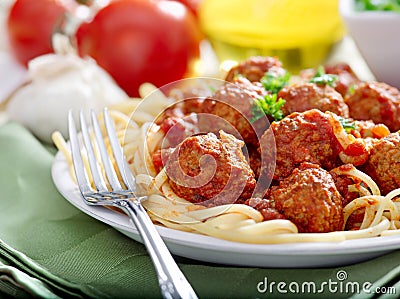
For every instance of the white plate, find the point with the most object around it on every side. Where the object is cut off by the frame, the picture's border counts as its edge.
(209, 249)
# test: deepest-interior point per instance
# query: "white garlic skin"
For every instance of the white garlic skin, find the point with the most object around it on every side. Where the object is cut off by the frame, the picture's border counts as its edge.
(58, 83)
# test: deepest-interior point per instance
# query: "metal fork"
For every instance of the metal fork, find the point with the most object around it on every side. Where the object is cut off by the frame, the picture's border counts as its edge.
(173, 283)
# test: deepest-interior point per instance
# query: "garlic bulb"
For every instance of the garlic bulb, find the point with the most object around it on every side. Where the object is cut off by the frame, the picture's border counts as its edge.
(58, 83)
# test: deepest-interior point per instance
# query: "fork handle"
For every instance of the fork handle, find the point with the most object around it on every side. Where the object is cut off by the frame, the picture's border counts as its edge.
(172, 282)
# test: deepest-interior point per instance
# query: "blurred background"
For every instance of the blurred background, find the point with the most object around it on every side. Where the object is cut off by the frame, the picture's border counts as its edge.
(11, 72)
(302, 34)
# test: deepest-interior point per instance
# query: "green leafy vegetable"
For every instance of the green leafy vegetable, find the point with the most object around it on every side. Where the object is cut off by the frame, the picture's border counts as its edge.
(321, 78)
(379, 5)
(273, 82)
(268, 105)
(347, 124)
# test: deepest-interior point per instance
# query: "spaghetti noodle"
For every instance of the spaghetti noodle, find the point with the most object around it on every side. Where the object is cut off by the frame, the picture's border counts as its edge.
(139, 137)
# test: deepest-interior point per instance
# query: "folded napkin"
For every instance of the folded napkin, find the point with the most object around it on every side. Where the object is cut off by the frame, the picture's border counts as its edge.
(50, 249)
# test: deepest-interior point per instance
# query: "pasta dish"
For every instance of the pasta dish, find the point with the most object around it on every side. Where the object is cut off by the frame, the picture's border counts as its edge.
(265, 157)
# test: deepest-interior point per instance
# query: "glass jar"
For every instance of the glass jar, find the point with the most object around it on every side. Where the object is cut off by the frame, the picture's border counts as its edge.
(301, 33)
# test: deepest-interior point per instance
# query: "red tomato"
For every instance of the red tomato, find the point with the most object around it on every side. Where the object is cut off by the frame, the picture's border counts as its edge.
(139, 41)
(193, 5)
(30, 25)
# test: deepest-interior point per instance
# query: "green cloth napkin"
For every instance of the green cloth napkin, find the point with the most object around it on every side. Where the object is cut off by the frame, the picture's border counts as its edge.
(50, 249)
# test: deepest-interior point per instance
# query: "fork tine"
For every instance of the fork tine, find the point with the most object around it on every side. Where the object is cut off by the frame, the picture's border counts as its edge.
(83, 182)
(108, 167)
(94, 167)
(172, 282)
(122, 165)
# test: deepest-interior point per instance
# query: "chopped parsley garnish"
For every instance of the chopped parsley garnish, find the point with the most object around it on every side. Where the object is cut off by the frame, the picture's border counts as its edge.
(347, 124)
(270, 104)
(267, 105)
(273, 82)
(321, 78)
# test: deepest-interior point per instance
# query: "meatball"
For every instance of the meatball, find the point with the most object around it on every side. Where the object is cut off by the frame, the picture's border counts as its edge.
(309, 198)
(180, 109)
(383, 164)
(210, 171)
(299, 137)
(305, 96)
(376, 101)
(346, 77)
(231, 109)
(254, 68)
(254, 159)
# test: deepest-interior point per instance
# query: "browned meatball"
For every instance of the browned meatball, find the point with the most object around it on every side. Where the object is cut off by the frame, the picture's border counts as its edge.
(299, 137)
(254, 68)
(254, 159)
(180, 109)
(309, 198)
(305, 96)
(230, 109)
(346, 77)
(383, 164)
(376, 101)
(210, 171)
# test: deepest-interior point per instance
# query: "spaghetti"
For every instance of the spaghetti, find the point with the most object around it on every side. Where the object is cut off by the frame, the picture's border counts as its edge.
(139, 137)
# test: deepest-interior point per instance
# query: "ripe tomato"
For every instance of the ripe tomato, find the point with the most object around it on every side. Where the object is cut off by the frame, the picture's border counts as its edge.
(30, 25)
(139, 41)
(193, 5)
